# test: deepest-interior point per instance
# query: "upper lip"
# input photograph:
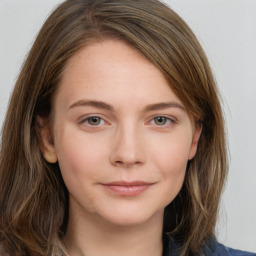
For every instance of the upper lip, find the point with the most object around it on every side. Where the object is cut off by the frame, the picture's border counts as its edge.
(128, 183)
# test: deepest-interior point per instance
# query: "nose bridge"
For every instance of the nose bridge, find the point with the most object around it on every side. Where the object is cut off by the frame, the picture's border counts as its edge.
(128, 145)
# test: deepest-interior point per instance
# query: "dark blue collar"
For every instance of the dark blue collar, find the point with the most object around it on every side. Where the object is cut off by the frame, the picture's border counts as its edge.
(171, 248)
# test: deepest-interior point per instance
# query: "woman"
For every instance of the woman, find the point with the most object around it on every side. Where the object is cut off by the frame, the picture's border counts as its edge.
(114, 136)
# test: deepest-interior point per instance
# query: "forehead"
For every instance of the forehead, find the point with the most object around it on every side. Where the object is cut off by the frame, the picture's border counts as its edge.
(108, 55)
(110, 69)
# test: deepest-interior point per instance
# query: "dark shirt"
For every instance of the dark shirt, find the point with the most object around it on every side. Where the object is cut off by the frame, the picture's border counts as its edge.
(211, 248)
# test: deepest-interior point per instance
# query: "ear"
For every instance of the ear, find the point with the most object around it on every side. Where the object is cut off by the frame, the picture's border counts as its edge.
(46, 138)
(196, 136)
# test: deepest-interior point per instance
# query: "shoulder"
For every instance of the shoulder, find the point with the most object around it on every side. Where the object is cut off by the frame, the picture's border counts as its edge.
(213, 248)
(223, 250)
(210, 248)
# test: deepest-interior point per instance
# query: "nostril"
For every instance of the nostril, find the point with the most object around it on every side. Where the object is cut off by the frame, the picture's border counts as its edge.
(126, 164)
(119, 163)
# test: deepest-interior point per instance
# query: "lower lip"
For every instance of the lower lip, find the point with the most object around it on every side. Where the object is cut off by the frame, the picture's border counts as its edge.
(127, 190)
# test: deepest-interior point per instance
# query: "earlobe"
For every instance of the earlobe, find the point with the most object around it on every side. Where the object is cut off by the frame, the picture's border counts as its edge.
(195, 140)
(46, 139)
(50, 157)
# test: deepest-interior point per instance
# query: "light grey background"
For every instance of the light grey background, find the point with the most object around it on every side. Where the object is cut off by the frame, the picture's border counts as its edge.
(227, 31)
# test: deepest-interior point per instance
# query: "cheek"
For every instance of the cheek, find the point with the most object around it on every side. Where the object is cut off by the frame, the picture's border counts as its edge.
(171, 160)
(171, 153)
(79, 156)
(81, 165)
(173, 164)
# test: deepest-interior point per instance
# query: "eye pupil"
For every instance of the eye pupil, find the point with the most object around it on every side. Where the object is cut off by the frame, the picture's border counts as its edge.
(94, 120)
(160, 120)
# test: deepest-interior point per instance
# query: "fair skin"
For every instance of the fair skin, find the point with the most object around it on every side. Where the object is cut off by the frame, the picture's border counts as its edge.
(122, 139)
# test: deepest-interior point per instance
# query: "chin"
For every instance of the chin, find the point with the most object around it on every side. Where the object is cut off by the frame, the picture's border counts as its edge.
(134, 218)
(127, 222)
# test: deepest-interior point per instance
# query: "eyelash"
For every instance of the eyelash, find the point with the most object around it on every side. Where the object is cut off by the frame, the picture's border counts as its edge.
(168, 121)
(86, 121)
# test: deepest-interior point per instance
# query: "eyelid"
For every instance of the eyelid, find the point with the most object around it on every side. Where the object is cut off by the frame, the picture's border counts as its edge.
(171, 119)
(84, 118)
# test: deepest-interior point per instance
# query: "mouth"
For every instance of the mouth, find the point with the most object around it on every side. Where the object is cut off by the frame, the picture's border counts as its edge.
(127, 189)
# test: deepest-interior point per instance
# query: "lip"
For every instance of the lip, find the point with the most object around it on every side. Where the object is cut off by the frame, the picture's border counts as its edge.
(128, 189)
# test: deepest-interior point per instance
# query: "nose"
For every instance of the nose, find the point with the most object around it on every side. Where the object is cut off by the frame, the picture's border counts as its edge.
(128, 147)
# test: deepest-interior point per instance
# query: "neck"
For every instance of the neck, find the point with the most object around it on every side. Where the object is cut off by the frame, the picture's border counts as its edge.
(94, 236)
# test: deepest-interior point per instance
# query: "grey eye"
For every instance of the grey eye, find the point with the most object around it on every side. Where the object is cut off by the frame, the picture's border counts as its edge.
(160, 120)
(94, 120)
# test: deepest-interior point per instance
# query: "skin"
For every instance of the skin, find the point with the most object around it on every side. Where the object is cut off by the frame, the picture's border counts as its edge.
(139, 131)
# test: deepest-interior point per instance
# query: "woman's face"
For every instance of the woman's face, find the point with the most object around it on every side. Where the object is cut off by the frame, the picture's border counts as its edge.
(122, 138)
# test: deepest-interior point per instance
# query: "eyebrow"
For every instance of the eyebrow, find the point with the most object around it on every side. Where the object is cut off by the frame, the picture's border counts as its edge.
(106, 106)
(92, 103)
(164, 105)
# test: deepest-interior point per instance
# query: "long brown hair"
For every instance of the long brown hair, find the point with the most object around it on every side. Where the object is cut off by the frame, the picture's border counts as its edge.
(33, 197)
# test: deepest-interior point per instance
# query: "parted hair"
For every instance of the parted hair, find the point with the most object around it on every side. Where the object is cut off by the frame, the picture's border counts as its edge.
(33, 196)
